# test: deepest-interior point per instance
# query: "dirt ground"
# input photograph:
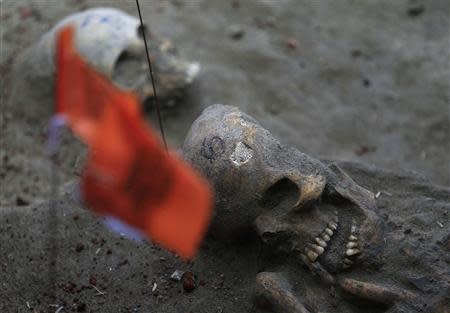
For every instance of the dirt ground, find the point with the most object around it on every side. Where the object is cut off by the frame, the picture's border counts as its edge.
(365, 81)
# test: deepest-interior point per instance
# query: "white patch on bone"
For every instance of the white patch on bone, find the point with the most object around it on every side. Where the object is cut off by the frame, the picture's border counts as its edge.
(241, 154)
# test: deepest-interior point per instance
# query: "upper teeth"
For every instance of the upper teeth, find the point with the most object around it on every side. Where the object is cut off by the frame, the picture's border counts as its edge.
(320, 242)
(313, 251)
(318, 249)
(351, 252)
(332, 225)
(312, 256)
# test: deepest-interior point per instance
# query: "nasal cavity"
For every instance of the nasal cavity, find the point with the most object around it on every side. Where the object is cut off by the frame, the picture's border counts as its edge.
(283, 194)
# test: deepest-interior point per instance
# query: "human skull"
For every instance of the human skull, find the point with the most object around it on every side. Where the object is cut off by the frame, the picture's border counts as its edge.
(112, 42)
(295, 202)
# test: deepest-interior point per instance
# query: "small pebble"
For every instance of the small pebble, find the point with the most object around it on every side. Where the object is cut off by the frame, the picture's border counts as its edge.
(25, 12)
(356, 53)
(81, 307)
(177, 275)
(93, 280)
(188, 281)
(366, 82)
(79, 247)
(362, 150)
(416, 10)
(236, 32)
(21, 202)
(292, 44)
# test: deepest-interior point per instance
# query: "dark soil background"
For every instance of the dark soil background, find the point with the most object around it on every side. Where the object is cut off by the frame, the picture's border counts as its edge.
(365, 81)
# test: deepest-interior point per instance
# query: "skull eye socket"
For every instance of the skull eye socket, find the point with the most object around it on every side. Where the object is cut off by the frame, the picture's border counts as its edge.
(284, 194)
(126, 69)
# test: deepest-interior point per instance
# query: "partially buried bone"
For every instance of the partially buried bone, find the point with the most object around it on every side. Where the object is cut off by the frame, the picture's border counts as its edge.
(374, 292)
(111, 41)
(273, 291)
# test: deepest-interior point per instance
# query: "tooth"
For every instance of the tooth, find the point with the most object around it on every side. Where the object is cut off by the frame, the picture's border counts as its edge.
(320, 242)
(329, 232)
(352, 244)
(353, 238)
(304, 258)
(353, 230)
(325, 237)
(332, 225)
(351, 252)
(312, 255)
(318, 249)
(348, 261)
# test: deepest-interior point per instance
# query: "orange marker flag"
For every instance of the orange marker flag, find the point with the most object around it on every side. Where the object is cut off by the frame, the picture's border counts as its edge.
(128, 173)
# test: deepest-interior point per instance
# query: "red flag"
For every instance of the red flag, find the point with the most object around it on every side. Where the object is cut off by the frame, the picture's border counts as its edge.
(128, 173)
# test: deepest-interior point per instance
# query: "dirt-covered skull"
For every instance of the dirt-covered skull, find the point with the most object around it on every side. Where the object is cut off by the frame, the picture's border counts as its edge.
(297, 203)
(112, 42)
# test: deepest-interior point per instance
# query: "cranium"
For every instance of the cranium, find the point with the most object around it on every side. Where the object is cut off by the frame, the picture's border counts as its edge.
(112, 42)
(296, 203)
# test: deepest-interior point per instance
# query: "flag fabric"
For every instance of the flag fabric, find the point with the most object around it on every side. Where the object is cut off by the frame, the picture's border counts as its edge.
(128, 174)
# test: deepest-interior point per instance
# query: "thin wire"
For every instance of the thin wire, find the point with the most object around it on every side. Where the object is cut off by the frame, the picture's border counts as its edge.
(52, 227)
(158, 111)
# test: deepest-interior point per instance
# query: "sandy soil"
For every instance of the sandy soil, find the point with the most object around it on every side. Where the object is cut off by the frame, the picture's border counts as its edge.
(361, 81)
